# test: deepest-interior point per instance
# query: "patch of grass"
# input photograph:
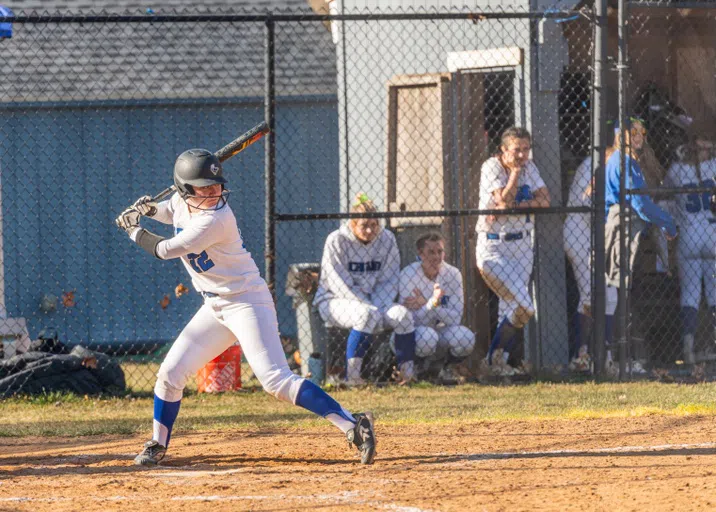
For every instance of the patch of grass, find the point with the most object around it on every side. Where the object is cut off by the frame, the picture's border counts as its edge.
(70, 415)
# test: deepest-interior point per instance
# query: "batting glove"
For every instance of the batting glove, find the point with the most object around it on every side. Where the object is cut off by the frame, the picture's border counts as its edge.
(146, 206)
(128, 220)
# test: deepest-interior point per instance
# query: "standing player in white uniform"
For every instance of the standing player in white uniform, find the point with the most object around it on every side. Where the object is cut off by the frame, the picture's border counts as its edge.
(696, 247)
(360, 270)
(504, 248)
(237, 304)
(432, 290)
(578, 248)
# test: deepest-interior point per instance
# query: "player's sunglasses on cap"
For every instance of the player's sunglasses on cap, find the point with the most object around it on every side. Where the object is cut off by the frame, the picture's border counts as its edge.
(630, 121)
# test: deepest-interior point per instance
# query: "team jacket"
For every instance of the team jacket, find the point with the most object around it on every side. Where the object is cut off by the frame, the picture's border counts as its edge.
(449, 312)
(353, 270)
(210, 246)
(640, 203)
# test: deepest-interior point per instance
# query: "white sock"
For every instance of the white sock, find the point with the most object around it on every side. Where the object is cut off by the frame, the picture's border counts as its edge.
(505, 356)
(340, 422)
(160, 433)
(354, 367)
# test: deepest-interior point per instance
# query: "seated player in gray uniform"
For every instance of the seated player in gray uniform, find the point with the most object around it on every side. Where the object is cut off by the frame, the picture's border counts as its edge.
(357, 289)
(432, 290)
(509, 180)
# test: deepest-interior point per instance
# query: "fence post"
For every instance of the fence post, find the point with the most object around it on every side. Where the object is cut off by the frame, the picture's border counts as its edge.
(599, 112)
(270, 156)
(622, 67)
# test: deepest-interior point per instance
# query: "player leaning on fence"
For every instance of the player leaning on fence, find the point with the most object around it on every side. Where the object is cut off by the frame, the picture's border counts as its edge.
(360, 269)
(509, 180)
(696, 246)
(642, 210)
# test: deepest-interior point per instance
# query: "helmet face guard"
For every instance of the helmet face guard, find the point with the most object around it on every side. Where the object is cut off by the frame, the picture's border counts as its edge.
(197, 168)
(199, 202)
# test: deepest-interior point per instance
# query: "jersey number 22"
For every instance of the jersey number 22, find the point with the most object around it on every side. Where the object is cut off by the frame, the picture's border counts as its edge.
(200, 262)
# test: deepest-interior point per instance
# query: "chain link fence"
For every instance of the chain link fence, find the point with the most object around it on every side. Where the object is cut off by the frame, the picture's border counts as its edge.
(669, 98)
(387, 153)
(423, 101)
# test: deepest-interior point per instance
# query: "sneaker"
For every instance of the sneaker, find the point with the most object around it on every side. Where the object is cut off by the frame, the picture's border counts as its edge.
(363, 437)
(582, 362)
(502, 370)
(612, 368)
(403, 379)
(637, 368)
(151, 455)
(448, 376)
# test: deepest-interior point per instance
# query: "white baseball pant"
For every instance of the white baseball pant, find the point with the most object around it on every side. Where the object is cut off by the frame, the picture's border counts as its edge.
(250, 318)
(353, 314)
(697, 264)
(506, 267)
(458, 339)
(577, 247)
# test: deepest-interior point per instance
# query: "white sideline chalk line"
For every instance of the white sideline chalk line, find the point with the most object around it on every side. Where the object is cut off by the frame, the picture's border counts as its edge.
(616, 449)
(189, 474)
(468, 457)
(348, 497)
(353, 497)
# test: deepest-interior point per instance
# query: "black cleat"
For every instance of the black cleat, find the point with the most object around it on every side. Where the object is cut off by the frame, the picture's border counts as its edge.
(363, 437)
(151, 455)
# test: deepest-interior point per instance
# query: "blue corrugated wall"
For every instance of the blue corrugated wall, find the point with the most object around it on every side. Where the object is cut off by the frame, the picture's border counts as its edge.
(67, 172)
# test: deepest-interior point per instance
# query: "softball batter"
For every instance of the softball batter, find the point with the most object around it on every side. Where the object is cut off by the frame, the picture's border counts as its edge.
(237, 304)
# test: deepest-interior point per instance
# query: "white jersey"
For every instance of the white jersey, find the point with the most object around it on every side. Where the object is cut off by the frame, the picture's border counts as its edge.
(449, 312)
(353, 270)
(692, 210)
(210, 246)
(494, 177)
(580, 183)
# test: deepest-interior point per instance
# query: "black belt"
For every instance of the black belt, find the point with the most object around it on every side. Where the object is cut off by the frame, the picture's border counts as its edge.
(209, 295)
(507, 237)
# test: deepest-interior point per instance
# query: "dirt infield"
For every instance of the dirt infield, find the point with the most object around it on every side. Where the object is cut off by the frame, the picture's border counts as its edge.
(645, 463)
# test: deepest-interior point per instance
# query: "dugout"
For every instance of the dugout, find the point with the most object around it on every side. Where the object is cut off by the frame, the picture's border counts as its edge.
(422, 103)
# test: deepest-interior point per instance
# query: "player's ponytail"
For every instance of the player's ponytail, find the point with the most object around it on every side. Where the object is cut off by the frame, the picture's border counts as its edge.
(363, 204)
